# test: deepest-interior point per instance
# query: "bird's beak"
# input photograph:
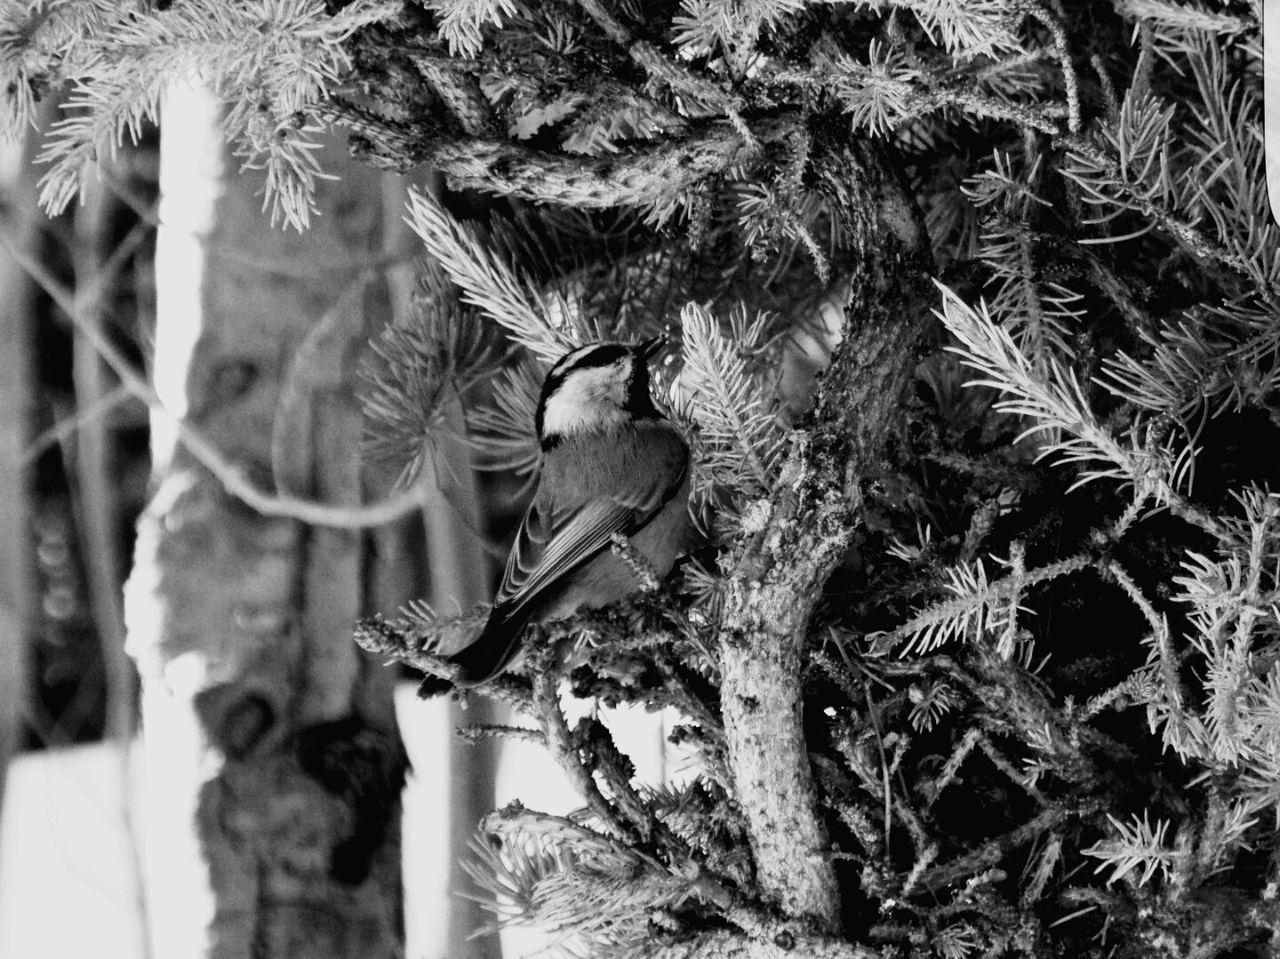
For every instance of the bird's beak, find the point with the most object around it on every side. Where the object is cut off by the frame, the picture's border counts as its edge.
(648, 348)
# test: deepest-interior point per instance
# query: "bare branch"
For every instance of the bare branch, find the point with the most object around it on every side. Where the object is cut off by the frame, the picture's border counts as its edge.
(233, 478)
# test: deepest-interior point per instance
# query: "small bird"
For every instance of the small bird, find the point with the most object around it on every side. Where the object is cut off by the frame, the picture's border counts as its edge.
(611, 464)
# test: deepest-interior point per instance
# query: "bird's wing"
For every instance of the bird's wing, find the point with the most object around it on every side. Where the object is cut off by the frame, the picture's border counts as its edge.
(552, 543)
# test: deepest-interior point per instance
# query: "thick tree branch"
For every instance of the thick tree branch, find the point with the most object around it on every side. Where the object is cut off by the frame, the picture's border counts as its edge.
(777, 576)
(642, 177)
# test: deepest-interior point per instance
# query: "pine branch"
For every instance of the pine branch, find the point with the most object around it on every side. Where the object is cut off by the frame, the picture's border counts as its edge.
(1056, 401)
(647, 178)
(461, 21)
(1137, 847)
(1042, 315)
(1217, 360)
(1113, 186)
(662, 68)
(272, 62)
(40, 41)
(993, 851)
(1054, 25)
(587, 889)
(502, 429)
(563, 749)
(1186, 17)
(739, 437)
(421, 364)
(491, 285)
(968, 30)
(884, 97)
(979, 606)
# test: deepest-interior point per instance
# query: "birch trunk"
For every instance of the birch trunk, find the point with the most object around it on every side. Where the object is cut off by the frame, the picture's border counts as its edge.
(274, 767)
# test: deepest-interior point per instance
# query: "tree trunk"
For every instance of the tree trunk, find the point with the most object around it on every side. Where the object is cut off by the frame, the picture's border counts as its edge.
(17, 395)
(274, 766)
(777, 576)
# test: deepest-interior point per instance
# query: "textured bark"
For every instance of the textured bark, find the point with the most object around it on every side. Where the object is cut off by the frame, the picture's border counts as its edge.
(17, 396)
(805, 528)
(785, 944)
(274, 767)
(636, 178)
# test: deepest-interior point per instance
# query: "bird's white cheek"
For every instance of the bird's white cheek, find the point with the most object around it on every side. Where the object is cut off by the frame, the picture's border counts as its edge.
(562, 415)
(574, 409)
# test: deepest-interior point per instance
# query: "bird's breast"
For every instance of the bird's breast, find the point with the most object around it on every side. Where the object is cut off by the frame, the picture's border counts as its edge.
(612, 463)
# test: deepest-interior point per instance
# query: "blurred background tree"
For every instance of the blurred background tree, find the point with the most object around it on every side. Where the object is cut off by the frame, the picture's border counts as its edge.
(963, 668)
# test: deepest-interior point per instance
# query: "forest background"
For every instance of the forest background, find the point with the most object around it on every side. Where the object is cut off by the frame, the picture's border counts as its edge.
(971, 322)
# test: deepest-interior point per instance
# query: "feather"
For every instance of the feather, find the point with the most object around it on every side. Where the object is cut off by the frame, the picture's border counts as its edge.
(570, 523)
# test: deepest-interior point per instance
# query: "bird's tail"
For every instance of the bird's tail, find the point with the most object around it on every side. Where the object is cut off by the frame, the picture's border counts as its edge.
(493, 649)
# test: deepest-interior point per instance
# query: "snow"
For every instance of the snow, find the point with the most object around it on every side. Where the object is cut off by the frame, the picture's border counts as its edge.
(68, 876)
(67, 882)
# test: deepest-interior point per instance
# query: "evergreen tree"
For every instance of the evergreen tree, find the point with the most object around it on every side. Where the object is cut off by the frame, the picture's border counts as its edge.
(978, 652)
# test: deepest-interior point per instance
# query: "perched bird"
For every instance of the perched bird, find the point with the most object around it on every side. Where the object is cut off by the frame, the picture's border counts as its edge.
(611, 463)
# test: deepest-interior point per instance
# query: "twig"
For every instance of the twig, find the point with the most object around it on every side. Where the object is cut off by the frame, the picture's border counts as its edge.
(1059, 33)
(1108, 87)
(546, 699)
(313, 268)
(84, 414)
(625, 550)
(947, 775)
(773, 938)
(920, 100)
(1003, 589)
(1182, 230)
(1010, 772)
(232, 477)
(664, 69)
(519, 734)
(612, 765)
(992, 851)
(1134, 592)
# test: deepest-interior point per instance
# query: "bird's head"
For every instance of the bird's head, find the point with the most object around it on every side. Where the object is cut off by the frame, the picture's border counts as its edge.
(597, 387)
